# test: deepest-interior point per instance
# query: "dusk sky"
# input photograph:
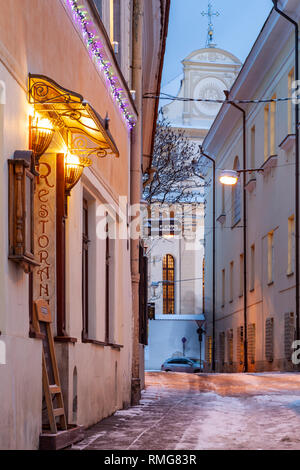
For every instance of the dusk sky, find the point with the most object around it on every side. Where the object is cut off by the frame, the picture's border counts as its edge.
(236, 29)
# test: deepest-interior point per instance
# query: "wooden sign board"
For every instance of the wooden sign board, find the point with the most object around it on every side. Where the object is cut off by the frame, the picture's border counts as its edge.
(42, 319)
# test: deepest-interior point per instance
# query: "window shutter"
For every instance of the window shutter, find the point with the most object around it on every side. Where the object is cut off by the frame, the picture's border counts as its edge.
(222, 349)
(289, 335)
(240, 344)
(208, 350)
(251, 343)
(269, 345)
(230, 346)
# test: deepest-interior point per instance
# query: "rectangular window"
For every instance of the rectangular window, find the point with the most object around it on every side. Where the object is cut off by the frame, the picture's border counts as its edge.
(230, 347)
(289, 335)
(240, 345)
(209, 349)
(273, 126)
(266, 132)
(223, 199)
(160, 232)
(98, 5)
(252, 163)
(291, 78)
(194, 218)
(222, 349)
(172, 224)
(270, 257)
(269, 343)
(203, 286)
(85, 270)
(252, 268)
(168, 285)
(223, 288)
(251, 343)
(231, 282)
(110, 281)
(291, 245)
(241, 275)
(115, 27)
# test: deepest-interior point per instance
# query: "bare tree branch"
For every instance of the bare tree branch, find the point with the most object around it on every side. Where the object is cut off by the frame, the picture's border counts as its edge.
(175, 179)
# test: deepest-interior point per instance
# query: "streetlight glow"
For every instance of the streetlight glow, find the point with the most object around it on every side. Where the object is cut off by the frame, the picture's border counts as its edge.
(229, 177)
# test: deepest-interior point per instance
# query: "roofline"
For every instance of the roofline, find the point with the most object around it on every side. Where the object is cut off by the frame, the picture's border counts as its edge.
(163, 51)
(225, 109)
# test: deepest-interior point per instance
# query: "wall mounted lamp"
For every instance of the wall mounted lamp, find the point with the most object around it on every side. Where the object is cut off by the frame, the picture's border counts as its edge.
(230, 177)
(115, 45)
(41, 134)
(74, 167)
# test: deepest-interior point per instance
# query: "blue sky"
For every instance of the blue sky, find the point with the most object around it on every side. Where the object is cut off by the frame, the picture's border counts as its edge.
(236, 29)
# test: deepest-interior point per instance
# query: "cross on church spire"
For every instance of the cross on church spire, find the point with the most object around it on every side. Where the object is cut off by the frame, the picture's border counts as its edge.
(210, 33)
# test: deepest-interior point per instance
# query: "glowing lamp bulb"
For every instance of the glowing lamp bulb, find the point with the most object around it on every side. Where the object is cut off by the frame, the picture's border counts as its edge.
(229, 177)
(72, 160)
(74, 167)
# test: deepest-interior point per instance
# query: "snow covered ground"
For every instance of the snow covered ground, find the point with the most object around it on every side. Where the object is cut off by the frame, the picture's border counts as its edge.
(220, 411)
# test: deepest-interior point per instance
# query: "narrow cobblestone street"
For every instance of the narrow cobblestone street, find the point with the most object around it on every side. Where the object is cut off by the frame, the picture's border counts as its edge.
(192, 412)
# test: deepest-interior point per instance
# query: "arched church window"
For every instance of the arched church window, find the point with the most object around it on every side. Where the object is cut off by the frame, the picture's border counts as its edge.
(168, 285)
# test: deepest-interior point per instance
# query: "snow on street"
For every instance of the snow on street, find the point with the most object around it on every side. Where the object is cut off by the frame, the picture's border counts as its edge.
(204, 412)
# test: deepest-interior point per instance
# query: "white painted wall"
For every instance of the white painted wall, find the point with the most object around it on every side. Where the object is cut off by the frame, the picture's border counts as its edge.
(269, 207)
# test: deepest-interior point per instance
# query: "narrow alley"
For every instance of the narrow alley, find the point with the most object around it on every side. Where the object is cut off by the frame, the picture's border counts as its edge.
(212, 412)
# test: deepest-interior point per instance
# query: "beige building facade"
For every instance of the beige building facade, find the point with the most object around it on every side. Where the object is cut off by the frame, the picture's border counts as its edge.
(79, 67)
(268, 74)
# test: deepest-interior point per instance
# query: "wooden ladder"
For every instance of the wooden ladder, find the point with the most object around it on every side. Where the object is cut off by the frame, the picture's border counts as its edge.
(51, 383)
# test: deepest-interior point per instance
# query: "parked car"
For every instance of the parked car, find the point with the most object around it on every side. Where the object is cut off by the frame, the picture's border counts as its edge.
(197, 361)
(181, 364)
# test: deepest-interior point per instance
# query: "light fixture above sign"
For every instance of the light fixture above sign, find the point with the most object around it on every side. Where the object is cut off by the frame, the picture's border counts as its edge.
(74, 167)
(41, 134)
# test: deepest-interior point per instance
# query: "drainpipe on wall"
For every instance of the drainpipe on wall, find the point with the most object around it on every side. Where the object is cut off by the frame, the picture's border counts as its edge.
(136, 188)
(244, 227)
(297, 215)
(213, 361)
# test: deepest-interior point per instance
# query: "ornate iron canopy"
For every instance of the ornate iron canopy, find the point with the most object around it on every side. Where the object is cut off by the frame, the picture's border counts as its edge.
(81, 127)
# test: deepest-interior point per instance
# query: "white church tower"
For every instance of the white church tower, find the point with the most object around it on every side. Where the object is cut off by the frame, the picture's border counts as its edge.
(207, 73)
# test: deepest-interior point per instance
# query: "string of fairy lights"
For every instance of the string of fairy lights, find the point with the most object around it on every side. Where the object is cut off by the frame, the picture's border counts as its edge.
(99, 56)
(96, 50)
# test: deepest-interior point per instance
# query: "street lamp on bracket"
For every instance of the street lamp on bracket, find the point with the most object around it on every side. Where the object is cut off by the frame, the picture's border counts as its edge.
(231, 177)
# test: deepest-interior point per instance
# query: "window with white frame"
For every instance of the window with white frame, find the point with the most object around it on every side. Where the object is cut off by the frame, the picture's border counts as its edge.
(291, 245)
(273, 126)
(291, 78)
(270, 257)
(110, 279)
(236, 196)
(266, 132)
(88, 267)
(253, 138)
(252, 268)
(270, 129)
(241, 290)
(115, 27)
(223, 288)
(231, 282)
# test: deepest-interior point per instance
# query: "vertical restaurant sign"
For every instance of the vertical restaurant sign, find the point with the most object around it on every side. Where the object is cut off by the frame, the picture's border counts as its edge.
(45, 232)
